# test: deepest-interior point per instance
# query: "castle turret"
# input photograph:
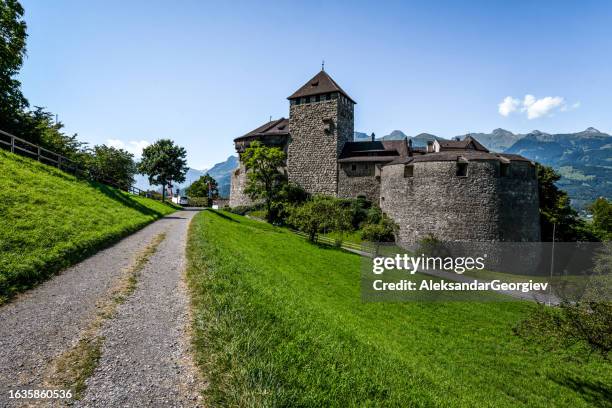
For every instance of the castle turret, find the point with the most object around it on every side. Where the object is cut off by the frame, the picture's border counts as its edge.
(321, 121)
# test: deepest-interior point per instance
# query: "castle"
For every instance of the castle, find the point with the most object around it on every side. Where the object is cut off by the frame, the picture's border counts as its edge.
(454, 190)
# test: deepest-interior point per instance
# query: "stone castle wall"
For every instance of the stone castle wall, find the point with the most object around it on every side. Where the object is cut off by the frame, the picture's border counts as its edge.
(237, 195)
(318, 132)
(358, 181)
(480, 207)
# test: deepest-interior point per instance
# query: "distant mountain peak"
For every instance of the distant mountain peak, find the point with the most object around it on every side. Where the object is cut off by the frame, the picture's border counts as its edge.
(591, 130)
(500, 131)
(397, 133)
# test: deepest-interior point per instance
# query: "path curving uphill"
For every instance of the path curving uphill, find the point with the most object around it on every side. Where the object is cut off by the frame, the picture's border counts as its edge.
(117, 321)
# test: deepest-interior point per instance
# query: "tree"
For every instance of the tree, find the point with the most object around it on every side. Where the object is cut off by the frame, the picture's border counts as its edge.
(110, 164)
(264, 175)
(555, 210)
(205, 186)
(12, 51)
(40, 127)
(289, 195)
(320, 214)
(586, 320)
(163, 162)
(602, 218)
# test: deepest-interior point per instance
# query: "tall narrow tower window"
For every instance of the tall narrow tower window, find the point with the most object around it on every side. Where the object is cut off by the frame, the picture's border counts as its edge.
(504, 169)
(462, 169)
(409, 171)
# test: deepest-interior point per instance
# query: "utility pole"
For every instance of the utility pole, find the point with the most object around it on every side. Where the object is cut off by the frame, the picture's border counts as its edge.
(552, 263)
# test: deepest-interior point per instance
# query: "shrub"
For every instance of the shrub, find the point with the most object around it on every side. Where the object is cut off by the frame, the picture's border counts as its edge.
(382, 231)
(430, 245)
(244, 209)
(293, 194)
(587, 322)
(289, 195)
(374, 215)
(152, 194)
(358, 210)
(199, 202)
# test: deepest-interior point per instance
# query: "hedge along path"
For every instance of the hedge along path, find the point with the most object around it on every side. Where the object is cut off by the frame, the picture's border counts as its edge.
(43, 329)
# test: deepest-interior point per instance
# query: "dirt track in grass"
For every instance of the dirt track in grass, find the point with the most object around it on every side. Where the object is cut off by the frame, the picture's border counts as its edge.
(144, 357)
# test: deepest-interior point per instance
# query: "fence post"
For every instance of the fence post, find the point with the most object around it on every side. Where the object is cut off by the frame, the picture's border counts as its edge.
(12, 144)
(38, 156)
(59, 162)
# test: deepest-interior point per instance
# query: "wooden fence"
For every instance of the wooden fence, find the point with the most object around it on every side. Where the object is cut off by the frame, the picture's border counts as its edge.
(24, 148)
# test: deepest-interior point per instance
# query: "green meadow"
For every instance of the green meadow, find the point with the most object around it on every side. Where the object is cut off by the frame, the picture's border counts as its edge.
(279, 321)
(50, 220)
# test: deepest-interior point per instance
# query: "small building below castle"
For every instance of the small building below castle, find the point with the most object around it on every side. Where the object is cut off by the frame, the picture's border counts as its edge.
(455, 190)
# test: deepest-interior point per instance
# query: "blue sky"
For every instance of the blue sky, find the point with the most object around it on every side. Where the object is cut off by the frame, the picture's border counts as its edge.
(203, 73)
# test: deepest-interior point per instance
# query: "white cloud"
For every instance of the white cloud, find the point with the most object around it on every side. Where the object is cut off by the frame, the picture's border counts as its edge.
(508, 105)
(571, 107)
(536, 108)
(533, 107)
(133, 146)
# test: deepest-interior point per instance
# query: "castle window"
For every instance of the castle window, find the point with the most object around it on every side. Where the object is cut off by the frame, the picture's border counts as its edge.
(318, 98)
(296, 101)
(353, 167)
(462, 169)
(409, 171)
(504, 169)
(328, 97)
(307, 99)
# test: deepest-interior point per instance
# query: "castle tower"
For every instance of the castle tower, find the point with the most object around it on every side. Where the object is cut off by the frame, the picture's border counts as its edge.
(321, 121)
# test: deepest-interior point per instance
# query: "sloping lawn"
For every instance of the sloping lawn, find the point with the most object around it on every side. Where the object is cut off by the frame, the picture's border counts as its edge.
(49, 220)
(279, 322)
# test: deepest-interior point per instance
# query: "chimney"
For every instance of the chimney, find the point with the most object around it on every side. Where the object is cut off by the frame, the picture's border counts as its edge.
(408, 146)
(373, 137)
(430, 146)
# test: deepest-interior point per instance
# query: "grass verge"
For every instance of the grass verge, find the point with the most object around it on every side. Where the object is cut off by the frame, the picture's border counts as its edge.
(51, 220)
(73, 367)
(279, 322)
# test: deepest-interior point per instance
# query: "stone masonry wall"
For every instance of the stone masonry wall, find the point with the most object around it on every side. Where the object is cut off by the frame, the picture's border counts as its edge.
(437, 202)
(479, 207)
(313, 152)
(237, 195)
(359, 182)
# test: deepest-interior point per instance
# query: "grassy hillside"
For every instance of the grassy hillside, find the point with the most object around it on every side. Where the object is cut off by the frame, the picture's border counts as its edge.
(280, 322)
(50, 220)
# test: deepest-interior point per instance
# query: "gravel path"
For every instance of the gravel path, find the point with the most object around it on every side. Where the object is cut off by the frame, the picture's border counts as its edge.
(144, 357)
(143, 360)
